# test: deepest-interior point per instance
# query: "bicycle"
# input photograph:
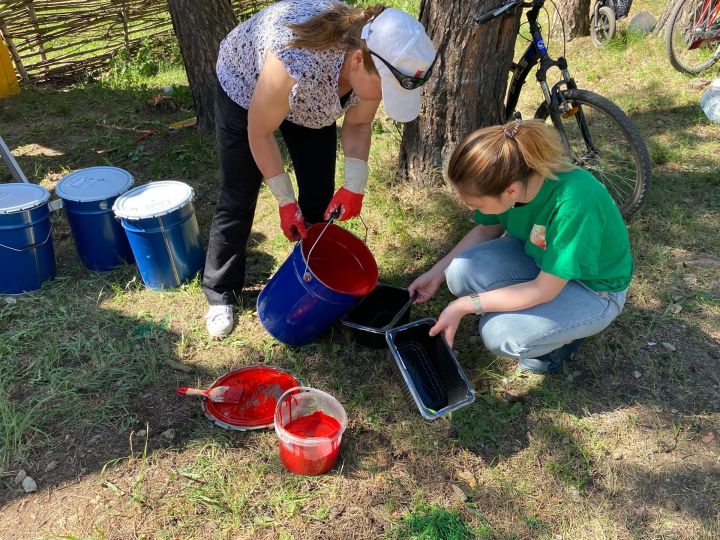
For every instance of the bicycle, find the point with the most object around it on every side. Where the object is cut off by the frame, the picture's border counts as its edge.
(596, 134)
(692, 35)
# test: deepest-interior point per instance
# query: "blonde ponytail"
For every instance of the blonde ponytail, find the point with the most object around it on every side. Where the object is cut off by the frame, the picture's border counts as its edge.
(488, 160)
(336, 28)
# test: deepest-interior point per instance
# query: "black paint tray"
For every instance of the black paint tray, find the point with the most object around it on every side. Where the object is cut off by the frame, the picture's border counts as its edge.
(434, 378)
(384, 308)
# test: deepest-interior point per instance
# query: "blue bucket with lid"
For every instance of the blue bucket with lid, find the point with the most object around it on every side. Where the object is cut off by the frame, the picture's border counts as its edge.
(159, 220)
(27, 258)
(88, 196)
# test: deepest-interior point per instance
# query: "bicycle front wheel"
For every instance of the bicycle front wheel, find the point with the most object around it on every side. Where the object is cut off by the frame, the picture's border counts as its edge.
(691, 36)
(601, 138)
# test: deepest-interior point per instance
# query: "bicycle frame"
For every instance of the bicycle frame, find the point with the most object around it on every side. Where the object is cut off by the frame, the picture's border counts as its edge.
(704, 22)
(537, 53)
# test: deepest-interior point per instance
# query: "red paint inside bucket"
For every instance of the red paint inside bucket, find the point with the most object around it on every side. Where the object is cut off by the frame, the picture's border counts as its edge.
(315, 459)
(340, 260)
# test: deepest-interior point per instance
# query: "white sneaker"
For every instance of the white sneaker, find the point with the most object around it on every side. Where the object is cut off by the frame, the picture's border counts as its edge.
(219, 321)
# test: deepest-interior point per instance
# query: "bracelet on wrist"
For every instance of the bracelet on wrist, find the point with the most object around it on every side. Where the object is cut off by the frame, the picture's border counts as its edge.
(477, 304)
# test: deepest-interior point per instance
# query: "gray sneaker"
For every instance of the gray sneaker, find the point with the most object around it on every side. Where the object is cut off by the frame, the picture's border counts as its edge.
(219, 321)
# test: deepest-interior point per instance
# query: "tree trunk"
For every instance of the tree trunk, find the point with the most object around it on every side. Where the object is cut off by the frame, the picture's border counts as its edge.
(466, 89)
(200, 27)
(659, 29)
(575, 16)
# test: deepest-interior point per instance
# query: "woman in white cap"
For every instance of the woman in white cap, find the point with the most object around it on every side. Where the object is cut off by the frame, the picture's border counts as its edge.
(297, 66)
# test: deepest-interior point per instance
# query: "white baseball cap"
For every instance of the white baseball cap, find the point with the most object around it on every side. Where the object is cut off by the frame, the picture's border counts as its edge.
(398, 41)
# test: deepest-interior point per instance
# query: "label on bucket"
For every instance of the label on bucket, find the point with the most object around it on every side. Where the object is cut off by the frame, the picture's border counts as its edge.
(84, 181)
(94, 184)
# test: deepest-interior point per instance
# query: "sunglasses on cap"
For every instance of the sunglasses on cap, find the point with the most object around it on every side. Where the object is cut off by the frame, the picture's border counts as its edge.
(406, 81)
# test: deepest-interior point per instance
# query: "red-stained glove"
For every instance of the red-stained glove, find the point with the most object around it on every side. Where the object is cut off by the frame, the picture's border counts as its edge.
(349, 197)
(349, 202)
(292, 222)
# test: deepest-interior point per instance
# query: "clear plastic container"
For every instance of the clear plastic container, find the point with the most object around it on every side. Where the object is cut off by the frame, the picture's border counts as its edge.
(710, 101)
(433, 376)
(384, 308)
(309, 424)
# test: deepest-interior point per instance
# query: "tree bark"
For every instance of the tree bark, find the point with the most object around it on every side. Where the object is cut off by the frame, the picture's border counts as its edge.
(659, 29)
(200, 27)
(575, 16)
(467, 88)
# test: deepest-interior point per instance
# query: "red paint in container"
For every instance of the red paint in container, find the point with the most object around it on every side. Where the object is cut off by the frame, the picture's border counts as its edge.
(340, 260)
(309, 424)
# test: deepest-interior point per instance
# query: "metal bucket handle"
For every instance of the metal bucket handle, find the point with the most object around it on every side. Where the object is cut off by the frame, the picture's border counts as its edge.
(33, 246)
(307, 276)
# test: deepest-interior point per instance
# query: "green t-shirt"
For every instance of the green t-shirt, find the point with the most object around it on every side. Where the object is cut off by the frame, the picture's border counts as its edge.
(573, 230)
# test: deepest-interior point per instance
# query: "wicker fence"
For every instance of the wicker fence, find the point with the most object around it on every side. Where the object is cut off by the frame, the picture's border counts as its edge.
(52, 40)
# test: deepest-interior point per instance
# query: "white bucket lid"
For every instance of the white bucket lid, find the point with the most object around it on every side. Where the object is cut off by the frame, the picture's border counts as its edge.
(18, 197)
(153, 200)
(94, 184)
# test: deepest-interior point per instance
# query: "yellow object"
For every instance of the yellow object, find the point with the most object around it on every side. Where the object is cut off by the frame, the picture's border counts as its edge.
(189, 122)
(8, 81)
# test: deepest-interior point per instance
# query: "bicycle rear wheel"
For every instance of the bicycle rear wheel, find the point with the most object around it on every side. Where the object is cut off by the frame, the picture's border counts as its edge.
(602, 139)
(690, 25)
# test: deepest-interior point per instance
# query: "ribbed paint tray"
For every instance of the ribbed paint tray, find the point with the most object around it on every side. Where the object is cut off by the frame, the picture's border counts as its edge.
(433, 377)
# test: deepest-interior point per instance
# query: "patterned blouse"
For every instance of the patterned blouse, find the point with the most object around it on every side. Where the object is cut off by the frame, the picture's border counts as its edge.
(314, 100)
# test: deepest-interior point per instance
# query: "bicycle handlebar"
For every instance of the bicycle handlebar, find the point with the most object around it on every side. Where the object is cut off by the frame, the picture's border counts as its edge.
(480, 19)
(507, 6)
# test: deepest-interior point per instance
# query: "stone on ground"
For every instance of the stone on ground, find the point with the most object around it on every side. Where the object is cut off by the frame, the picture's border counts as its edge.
(643, 22)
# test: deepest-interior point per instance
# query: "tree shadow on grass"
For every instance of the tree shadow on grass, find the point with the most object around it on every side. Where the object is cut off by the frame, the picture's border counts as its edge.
(672, 395)
(80, 380)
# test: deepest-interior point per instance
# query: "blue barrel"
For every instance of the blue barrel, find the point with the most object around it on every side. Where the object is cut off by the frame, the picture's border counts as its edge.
(159, 220)
(27, 258)
(327, 273)
(88, 196)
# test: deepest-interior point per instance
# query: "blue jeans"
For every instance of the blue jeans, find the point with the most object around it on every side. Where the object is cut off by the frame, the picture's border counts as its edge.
(577, 312)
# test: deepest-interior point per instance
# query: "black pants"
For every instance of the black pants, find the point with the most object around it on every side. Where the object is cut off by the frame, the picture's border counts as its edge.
(313, 156)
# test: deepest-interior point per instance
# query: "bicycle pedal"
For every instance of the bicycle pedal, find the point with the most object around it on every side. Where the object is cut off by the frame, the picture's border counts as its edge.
(571, 112)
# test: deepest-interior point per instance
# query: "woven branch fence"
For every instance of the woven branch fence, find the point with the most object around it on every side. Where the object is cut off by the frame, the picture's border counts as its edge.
(56, 40)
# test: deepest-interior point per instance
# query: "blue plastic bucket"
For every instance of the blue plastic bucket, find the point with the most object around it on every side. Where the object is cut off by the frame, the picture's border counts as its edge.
(88, 196)
(159, 220)
(27, 258)
(326, 274)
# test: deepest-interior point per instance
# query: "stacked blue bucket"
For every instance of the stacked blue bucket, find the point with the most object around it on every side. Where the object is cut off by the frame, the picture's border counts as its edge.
(27, 258)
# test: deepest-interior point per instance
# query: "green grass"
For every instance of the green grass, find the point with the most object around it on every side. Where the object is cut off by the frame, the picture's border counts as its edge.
(485, 421)
(86, 364)
(430, 523)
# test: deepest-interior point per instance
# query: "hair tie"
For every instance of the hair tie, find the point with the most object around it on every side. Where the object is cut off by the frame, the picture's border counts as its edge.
(510, 134)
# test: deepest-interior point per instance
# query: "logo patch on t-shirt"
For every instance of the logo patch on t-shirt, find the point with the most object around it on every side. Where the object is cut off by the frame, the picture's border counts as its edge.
(537, 236)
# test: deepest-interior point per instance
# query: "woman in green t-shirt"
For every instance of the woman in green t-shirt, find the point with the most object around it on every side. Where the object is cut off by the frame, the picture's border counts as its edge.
(548, 263)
